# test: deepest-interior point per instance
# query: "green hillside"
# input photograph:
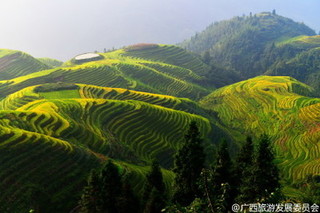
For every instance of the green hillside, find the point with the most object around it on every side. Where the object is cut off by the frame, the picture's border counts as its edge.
(280, 107)
(72, 128)
(245, 39)
(51, 62)
(301, 61)
(119, 69)
(15, 63)
(58, 121)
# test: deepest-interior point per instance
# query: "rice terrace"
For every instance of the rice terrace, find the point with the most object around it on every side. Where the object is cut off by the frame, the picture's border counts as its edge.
(226, 120)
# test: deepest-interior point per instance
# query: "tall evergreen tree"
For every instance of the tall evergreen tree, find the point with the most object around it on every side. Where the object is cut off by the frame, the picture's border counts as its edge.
(154, 194)
(127, 202)
(222, 178)
(245, 187)
(215, 183)
(265, 171)
(154, 178)
(155, 203)
(91, 198)
(189, 162)
(110, 187)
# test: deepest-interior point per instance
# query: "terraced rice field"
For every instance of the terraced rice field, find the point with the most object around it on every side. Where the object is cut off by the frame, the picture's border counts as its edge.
(171, 55)
(51, 62)
(15, 63)
(273, 105)
(75, 130)
(302, 42)
(121, 70)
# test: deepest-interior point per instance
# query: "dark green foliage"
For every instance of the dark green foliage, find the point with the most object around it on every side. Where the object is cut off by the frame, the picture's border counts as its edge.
(223, 203)
(240, 43)
(128, 202)
(156, 202)
(215, 183)
(189, 162)
(221, 171)
(91, 198)
(107, 193)
(245, 187)
(221, 76)
(222, 179)
(207, 186)
(265, 171)
(258, 174)
(154, 197)
(110, 187)
(311, 189)
(303, 66)
(155, 178)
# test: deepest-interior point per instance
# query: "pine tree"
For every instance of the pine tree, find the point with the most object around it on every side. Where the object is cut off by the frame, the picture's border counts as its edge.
(154, 194)
(189, 162)
(110, 187)
(265, 171)
(222, 177)
(90, 200)
(155, 178)
(206, 185)
(245, 188)
(155, 203)
(127, 202)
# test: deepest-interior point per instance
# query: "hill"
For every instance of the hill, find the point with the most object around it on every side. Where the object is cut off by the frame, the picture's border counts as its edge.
(280, 107)
(73, 128)
(51, 62)
(245, 39)
(167, 73)
(298, 57)
(15, 63)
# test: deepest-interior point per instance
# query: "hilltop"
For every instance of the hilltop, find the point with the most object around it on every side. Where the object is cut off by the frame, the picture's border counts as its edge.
(15, 63)
(246, 39)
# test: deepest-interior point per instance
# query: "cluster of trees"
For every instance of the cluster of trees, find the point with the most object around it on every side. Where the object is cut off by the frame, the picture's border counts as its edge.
(107, 193)
(245, 43)
(251, 178)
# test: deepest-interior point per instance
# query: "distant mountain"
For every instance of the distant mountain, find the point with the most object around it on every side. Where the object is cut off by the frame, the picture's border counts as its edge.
(15, 63)
(243, 43)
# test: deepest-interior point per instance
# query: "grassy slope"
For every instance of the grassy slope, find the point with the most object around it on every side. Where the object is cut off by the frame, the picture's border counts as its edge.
(276, 106)
(120, 70)
(51, 62)
(72, 131)
(15, 63)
